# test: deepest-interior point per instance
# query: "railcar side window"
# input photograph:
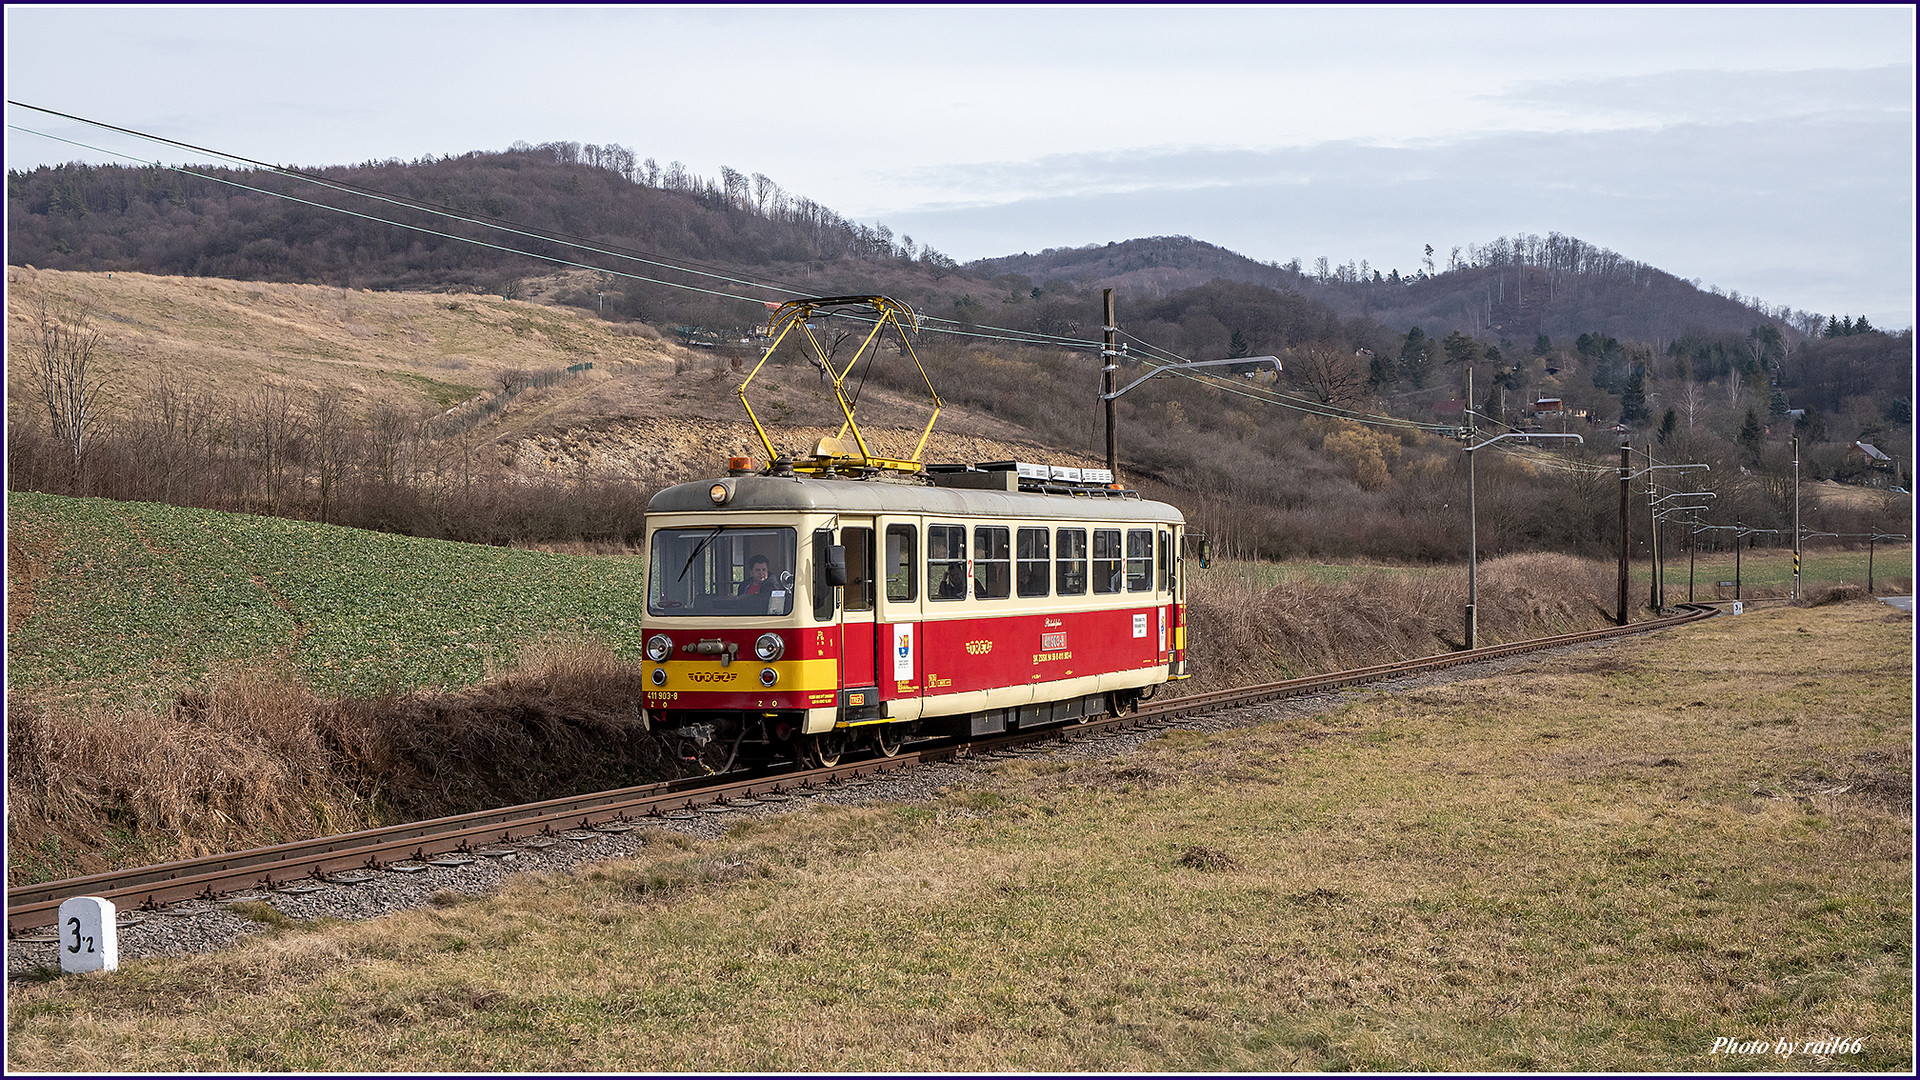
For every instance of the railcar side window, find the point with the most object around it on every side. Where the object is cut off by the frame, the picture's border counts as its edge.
(901, 562)
(1070, 566)
(858, 595)
(1106, 561)
(992, 563)
(1030, 553)
(1139, 560)
(1166, 557)
(720, 570)
(947, 562)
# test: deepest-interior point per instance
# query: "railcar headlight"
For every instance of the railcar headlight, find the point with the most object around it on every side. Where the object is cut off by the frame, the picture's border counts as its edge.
(768, 676)
(659, 647)
(720, 493)
(659, 676)
(769, 647)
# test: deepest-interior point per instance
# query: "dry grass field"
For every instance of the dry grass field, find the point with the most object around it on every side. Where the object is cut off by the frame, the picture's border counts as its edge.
(1617, 861)
(649, 409)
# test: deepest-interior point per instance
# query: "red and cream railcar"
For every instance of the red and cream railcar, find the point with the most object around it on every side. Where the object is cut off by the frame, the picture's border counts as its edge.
(805, 617)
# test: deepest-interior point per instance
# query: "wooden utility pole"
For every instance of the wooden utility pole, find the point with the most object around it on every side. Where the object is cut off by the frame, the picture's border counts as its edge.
(1110, 359)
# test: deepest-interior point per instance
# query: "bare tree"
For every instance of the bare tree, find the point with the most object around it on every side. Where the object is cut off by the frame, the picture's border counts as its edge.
(1736, 389)
(332, 447)
(63, 376)
(272, 431)
(1333, 374)
(1692, 403)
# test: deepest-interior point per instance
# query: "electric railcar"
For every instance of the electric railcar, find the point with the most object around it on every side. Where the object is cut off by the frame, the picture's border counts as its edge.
(802, 617)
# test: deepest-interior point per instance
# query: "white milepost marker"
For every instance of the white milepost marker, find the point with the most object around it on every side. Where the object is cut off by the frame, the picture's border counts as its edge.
(88, 936)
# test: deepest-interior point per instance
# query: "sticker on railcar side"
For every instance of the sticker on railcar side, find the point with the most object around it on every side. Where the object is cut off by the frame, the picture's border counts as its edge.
(903, 652)
(1140, 625)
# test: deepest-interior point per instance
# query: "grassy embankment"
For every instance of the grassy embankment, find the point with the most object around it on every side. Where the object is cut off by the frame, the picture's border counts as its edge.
(1608, 865)
(180, 681)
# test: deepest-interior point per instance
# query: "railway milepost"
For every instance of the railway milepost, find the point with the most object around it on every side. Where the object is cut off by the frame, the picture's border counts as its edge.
(88, 940)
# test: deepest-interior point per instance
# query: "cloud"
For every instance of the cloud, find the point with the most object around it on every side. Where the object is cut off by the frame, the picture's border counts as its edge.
(1815, 212)
(1709, 96)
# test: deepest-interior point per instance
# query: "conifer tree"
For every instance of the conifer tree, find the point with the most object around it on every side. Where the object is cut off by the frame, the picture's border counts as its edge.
(1751, 434)
(1633, 400)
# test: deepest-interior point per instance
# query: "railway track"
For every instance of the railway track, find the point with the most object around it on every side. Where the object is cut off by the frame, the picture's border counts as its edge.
(450, 840)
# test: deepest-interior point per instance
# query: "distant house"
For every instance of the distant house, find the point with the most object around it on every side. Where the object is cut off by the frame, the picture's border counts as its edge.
(1548, 406)
(1868, 454)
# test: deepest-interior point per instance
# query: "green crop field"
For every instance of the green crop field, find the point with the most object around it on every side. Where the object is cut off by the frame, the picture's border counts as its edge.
(135, 600)
(1762, 571)
(1769, 571)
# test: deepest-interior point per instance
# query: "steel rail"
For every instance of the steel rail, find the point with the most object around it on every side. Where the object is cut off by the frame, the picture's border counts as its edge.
(155, 887)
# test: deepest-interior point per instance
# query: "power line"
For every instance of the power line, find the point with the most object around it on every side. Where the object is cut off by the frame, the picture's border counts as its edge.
(1009, 335)
(486, 221)
(396, 224)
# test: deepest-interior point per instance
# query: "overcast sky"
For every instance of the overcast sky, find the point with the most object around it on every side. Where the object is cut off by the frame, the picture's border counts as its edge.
(1768, 150)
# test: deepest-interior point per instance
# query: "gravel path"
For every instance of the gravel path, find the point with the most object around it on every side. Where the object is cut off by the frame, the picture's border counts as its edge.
(198, 926)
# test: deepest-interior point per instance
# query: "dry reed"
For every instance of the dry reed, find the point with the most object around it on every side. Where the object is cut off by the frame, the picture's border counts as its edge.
(257, 758)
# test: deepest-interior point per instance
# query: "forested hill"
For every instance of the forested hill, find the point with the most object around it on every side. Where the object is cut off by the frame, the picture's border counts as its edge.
(234, 224)
(1515, 288)
(162, 221)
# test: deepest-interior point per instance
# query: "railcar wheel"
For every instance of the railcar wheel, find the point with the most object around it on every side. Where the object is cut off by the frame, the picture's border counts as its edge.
(1122, 704)
(887, 740)
(824, 751)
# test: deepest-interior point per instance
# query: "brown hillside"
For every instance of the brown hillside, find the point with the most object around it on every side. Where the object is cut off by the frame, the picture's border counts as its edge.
(650, 410)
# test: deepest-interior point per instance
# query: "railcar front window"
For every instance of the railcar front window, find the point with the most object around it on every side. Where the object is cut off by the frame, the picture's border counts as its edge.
(721, 570)
(1107, 577)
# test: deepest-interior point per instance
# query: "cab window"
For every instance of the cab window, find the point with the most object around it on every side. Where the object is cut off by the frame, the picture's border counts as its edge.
(858, 595)
(720, 570)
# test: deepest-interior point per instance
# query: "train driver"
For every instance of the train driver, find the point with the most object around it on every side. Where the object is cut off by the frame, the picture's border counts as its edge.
(757, 583)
